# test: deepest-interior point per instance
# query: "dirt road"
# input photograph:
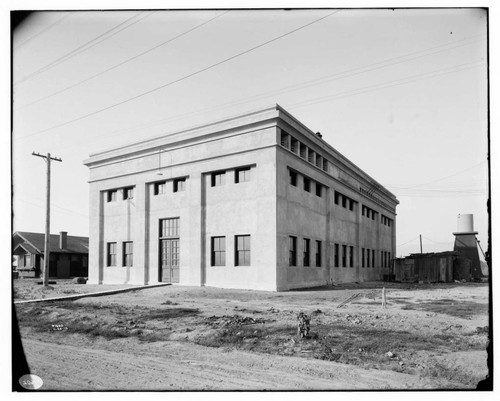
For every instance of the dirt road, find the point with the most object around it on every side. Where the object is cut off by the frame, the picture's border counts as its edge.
(191, 338)
(184, 366)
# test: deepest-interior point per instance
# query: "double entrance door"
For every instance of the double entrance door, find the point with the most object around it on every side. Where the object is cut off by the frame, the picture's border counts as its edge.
(169, 260)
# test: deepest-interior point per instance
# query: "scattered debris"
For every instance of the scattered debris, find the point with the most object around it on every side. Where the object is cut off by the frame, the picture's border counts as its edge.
(235, 320)
(273, 310)
(482, 330)
(79, 280)
(168, 302)
(57, 327)
(390, 354)
(317, 312)
(135, 324)
(384, 301)
(303, 325)
(351, 298)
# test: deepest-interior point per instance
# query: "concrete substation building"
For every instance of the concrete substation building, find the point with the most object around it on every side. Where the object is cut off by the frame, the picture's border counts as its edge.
(258, 201)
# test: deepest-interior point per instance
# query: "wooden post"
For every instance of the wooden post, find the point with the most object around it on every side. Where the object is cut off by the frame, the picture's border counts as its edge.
(46, 251)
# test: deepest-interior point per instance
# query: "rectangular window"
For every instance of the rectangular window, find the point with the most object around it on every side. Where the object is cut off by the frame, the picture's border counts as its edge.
(180, 184)
(111, 195)
(284, 139)
(169, 227)
(294, 145)
(318, 161)
(292, 251)
(128, 253)
(344, 201)
(373, 257)
(310, 156)
(325, 165)
(318, 189)
(351, 256)
(307, 184)
(25, 260)
(344, 255)
(362, 257)
(242, 175)
(293, 178)
(337, 198)
(159, 188)
(318, 253)
(218, 251)
(303, 150)
(111, 254)
(351, 205)
(128, 193)
(218, 178)
(307, 250)
(367, 258)
(336, 256)
(242, 250)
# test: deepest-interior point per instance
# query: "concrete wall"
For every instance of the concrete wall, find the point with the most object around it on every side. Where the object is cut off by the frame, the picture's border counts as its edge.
(305, 215)
(245, 208)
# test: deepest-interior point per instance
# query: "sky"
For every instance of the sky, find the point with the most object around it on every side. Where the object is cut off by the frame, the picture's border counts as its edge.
(402, 93)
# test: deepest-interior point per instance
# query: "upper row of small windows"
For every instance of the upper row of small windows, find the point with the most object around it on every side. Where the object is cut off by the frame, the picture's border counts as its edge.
(303, 151)
(218, 178)
(307, 182)
(386, 221)
(127, 193)
(367, 212)
(344, 201)
(160, 187)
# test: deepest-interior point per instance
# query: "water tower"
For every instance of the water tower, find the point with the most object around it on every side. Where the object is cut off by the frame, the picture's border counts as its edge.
(466, 243)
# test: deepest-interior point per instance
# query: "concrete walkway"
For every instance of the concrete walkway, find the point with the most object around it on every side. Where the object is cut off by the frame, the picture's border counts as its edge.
(90, 294)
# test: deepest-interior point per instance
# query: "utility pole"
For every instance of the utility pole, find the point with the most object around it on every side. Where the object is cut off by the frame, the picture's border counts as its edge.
(46, 252)
(421, 243)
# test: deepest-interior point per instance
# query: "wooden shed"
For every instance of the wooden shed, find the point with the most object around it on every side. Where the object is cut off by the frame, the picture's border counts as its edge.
(426, 267)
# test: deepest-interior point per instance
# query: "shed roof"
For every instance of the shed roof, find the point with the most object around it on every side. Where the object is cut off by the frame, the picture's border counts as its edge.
(37, 241)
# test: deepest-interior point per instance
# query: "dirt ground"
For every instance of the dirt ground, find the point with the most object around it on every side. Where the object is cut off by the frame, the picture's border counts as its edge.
(431, 336)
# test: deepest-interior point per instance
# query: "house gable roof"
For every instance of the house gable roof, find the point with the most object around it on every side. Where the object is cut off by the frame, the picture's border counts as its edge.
(74, 244)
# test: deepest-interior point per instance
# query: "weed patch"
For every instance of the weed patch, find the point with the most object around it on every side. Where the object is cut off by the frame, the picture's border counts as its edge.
(463, 309)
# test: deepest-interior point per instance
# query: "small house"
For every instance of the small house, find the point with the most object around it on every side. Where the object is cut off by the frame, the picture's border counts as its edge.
(68, 254)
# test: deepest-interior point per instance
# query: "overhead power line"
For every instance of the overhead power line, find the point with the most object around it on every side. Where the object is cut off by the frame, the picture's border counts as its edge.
(388, 84)
(442, 178)
(179, 79)
(63, 210)
(121, 63)
(417, 237)
(438, 242)
(300, 86)
(87, 45)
